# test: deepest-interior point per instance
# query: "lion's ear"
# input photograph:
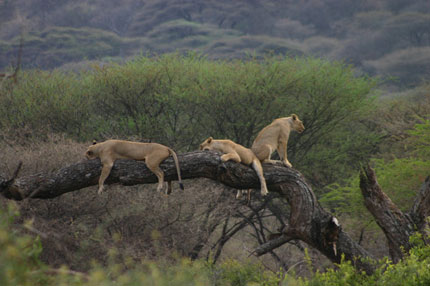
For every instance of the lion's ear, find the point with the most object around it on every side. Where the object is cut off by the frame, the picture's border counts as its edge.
(294, 116)
(210, 139)
(94, 142)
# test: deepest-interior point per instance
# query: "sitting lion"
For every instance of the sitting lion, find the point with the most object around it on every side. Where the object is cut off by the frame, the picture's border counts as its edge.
(275, 137)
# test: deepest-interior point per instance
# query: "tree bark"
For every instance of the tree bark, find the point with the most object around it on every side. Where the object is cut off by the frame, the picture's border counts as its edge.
(420, 211)
(396, 225)
(308, 221)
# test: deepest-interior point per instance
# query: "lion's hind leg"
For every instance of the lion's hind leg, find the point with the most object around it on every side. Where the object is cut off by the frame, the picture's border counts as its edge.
(153, 164)
(256, 165)
(263, 153)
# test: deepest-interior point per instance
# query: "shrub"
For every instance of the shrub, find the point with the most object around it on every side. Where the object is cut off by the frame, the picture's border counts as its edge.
(181, 100)
(19, 253)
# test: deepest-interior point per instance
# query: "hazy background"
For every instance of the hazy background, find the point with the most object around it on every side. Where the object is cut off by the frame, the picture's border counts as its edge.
(388, 38)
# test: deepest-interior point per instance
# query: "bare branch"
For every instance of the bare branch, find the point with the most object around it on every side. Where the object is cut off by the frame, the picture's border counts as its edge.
(308, 221)
(396, 226)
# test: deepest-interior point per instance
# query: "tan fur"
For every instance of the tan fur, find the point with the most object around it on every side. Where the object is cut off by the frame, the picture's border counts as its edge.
(152, 153)
(275, 137)
(237, 153)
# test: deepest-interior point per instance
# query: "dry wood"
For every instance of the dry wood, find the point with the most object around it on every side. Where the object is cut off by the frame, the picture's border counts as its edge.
(396, 225)
(308, 221)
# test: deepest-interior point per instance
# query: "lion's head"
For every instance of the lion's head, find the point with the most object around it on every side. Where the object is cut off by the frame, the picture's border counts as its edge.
(207, 144)
(297, 124)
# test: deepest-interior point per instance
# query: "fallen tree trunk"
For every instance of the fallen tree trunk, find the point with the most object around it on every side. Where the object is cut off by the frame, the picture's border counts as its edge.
(308, 221)
(396, 225)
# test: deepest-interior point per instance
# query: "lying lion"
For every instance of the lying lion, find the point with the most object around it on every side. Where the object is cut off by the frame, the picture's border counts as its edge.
(152, 153)
(237, 153)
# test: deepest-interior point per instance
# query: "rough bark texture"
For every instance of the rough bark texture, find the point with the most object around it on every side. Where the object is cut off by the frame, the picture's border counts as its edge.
(308, 221)
(420, 211)
(396, 225)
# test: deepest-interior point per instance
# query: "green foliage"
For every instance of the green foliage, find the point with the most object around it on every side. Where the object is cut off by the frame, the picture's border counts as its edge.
(399, 178)
(333, 102)
(45, 101)
(181, 100)
(19, 262)
(412, 270)
(232, 272)
(20, 265)
(420, 140)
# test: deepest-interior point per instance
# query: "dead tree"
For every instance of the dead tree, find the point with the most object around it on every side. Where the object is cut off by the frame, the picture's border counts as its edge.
(308, 221)
(396, 225)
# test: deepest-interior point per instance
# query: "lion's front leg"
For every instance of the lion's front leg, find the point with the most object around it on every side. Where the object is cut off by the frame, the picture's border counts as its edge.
(282, 151)
(107, 167)
(231, 156)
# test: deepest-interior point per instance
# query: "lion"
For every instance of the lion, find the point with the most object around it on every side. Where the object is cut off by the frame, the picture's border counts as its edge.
(152, 153)
(275, 137)
(238, 153)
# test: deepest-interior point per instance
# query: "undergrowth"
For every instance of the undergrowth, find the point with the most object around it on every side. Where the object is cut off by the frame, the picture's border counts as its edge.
(20, 248)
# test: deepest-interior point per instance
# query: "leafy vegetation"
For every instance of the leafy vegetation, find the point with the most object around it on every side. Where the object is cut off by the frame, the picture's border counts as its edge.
(181, 100)
(20, 265)
(400, 178)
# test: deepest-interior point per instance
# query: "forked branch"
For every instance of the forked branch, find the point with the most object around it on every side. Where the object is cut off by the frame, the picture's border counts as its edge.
(308, 221)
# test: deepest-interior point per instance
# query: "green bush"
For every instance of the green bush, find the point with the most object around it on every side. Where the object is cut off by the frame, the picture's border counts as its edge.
(45, 102)
(181, 100)
(399, 178)
(19, 262)
(411, 271)
(20, 265)
(233, 272)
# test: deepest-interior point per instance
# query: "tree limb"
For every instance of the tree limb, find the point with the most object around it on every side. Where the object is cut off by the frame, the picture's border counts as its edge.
(396, 225)
(420, 211)
(308, 221)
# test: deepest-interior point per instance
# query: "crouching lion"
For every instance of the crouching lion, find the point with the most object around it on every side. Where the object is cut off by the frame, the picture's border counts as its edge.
(152, 153)
(275, 137)
(237, 153)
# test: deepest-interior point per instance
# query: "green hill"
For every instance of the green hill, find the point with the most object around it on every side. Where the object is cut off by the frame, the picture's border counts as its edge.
(386, 38)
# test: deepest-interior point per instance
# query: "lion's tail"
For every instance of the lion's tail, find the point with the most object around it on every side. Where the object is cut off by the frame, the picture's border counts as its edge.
(177, 168)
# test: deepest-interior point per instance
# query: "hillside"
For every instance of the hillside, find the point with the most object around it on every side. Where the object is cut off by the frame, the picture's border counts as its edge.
(386, 38)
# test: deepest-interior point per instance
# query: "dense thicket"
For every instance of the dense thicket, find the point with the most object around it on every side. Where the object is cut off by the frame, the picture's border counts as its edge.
(181, 100)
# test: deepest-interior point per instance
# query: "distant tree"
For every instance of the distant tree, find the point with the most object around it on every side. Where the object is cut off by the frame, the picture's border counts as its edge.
(411, 28)
(409, 66)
